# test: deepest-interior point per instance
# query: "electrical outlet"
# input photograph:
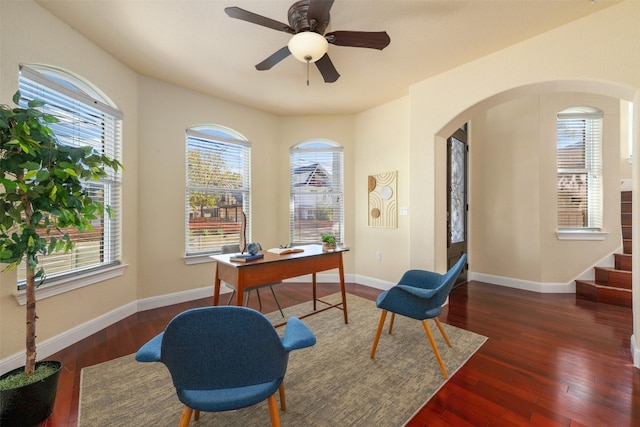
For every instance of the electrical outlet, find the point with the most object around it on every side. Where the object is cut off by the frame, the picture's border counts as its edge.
(378, 256)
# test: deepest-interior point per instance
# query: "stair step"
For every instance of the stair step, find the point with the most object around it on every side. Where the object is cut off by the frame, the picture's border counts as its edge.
(605, 294)
(613, 277)
(623, 262)
(613, 285)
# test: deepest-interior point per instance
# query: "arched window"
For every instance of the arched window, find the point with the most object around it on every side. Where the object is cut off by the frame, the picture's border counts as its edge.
(218, 169)
(316, 189)
(86, 118)
(579, 148)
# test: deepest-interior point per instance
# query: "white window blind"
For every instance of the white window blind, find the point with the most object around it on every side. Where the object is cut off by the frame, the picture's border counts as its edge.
(317, 204)
(85, 119)
(579, 154)
(218, 170)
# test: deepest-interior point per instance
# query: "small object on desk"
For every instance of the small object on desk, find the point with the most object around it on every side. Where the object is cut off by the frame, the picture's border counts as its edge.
(245, 257)
(253, 248)
(282, 251)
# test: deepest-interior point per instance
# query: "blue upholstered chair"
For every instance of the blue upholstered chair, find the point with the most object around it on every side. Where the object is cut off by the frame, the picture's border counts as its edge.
(419, 295)
(226, 357)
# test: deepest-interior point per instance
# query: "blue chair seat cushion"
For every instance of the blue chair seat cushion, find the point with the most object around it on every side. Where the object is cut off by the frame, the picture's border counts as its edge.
(404, 303)
(227, 399)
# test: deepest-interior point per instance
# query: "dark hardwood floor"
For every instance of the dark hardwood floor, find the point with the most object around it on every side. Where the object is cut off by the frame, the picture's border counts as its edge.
(550, 360)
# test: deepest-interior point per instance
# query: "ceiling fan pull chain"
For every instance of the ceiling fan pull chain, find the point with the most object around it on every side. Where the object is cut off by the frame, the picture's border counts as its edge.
(308, 58)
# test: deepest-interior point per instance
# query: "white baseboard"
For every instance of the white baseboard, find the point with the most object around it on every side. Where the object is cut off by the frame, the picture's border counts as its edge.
(177, 298)
(374, 283)
(525, 285)
(61, 341)
(635, 352)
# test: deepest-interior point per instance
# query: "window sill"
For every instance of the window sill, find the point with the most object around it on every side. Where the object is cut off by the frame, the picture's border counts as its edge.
(69, 284)
(581, 235)
(198, 259)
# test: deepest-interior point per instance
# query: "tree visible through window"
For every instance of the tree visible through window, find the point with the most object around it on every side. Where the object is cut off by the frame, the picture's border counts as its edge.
(218, 188)
(316, 191)
(579, 145)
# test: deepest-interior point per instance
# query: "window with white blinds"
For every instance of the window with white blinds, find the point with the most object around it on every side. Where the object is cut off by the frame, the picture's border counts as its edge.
(579, 154)
(85, 119)
(218, 170)
(316, 201)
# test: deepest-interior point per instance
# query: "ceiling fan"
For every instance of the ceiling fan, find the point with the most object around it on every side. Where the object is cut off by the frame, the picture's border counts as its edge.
(308, 20)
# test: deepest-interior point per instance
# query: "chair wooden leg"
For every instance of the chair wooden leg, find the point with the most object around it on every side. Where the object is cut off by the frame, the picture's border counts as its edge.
(186, 416)
(273, 411)
(444, 334)
(393, 317)
(435, 348)
(283, 399)
(383, 316)
(196, 415)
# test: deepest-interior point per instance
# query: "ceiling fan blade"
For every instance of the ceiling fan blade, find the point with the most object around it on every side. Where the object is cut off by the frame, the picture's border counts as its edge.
(326, 68)
(245, 15)
(368, 39)
(319, 12)
(273, 59)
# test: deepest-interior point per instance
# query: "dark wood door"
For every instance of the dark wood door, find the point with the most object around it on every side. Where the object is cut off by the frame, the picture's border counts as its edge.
(457, 202)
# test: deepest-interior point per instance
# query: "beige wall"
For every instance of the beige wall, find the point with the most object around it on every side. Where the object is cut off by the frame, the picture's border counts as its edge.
(513, 197)
(382, 146)
(504, 183)
(168, 111)
(405, 135)
(532, 67)
(625, 140)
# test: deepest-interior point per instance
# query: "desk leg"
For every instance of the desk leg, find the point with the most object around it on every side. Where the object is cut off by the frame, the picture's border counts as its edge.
(216, 288)
(239, 295)
(315, 294)
(343, 291)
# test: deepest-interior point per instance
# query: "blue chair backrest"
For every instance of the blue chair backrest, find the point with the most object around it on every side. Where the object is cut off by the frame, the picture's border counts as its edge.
(449, 278)
(222, 347)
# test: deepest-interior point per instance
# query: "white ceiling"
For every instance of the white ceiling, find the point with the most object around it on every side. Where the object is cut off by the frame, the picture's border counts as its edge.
(194, 44)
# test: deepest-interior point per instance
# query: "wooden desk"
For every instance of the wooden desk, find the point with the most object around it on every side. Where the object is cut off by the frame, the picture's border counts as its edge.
(273, 268)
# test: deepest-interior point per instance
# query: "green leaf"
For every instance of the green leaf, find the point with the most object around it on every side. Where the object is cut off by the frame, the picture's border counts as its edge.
(25, 147)
(42, 175)
(30, 175)
(49, 118)
(30, 166)
(34, 103)
(9, 184)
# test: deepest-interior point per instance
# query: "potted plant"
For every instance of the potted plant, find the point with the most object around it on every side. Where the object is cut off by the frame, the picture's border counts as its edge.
(42, 196)
(328, 242)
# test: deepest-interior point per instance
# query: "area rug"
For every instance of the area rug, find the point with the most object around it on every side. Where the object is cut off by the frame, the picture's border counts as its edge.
(334, 383)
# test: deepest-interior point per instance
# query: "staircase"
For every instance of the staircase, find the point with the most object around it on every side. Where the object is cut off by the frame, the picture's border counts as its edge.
(613, 285)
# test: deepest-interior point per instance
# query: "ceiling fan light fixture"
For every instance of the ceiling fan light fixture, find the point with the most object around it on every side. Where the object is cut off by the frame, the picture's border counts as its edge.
(308, 46)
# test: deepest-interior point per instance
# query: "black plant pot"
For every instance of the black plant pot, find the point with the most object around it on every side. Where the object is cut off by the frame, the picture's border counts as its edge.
(31, 404)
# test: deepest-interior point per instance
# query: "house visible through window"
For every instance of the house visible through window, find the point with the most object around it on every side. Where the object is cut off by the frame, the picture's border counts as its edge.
(579, 148)
(218, 188)
(316, 191)
(86, 119)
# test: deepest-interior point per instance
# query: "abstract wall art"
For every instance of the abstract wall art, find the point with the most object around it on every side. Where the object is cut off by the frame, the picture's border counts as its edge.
(383, 205)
